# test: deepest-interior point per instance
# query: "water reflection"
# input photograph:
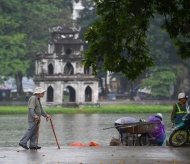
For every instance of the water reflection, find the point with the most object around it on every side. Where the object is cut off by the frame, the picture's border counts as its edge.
(68, 128)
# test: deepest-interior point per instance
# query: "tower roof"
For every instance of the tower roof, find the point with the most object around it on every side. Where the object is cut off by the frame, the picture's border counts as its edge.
(64, 29)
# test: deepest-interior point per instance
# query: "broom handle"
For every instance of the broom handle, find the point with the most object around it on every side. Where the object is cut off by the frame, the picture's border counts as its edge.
(54, 133)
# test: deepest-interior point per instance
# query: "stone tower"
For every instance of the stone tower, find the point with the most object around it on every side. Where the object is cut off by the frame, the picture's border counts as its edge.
(61, 73)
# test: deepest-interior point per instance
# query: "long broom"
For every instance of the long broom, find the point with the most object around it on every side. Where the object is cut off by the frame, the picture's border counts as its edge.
(54, 134)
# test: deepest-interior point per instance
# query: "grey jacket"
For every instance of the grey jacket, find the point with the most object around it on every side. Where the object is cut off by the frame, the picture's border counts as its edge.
(35, 108)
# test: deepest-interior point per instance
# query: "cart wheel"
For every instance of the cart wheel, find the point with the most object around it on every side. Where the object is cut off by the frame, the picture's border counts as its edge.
(144, 140)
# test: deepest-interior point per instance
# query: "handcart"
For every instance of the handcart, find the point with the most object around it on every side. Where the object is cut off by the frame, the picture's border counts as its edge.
(138, 133)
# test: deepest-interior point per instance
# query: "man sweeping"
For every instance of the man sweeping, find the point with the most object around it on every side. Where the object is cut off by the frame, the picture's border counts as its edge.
(35, 112)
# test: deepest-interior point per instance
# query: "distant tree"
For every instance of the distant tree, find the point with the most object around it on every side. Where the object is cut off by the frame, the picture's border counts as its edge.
(159, 81)
(24, 31)
(166, 61)
(13, 56)
(119, 37)
(86, 16)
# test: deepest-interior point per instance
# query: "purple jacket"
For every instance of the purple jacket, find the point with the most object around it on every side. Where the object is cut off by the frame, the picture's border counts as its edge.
(159, 131)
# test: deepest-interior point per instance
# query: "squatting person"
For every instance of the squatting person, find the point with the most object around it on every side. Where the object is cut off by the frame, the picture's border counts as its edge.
(159, 133)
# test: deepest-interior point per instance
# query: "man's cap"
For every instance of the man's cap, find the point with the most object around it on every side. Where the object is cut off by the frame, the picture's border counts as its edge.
(182, 95)
(39, 90)
(159, 115)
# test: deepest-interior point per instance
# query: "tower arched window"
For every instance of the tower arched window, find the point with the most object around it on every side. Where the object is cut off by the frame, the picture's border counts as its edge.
(71, 94)
(88, 94)
(50, 69)
(50, 93)
(68, 69)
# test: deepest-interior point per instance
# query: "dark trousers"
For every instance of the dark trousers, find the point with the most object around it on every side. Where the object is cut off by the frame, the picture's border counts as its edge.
(30, 134)
(122, 132)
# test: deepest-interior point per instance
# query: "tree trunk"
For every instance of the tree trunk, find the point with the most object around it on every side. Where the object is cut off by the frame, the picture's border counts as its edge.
(106, 86)
(18, 79)
(123, 83)
(102, 87)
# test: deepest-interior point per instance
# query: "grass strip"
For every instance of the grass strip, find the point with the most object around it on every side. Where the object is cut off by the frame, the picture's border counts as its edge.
(88, 110)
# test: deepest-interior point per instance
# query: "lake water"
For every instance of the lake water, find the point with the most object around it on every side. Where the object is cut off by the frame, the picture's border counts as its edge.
(69, 128)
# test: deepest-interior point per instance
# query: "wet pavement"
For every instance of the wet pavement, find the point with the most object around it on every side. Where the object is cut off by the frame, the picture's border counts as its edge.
(96, 155)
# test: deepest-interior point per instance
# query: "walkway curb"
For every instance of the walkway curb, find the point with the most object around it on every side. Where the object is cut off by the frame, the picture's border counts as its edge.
(96, 155)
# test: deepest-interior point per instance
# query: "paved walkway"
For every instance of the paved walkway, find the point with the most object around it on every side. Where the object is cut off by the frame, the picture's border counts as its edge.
(96, 155)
